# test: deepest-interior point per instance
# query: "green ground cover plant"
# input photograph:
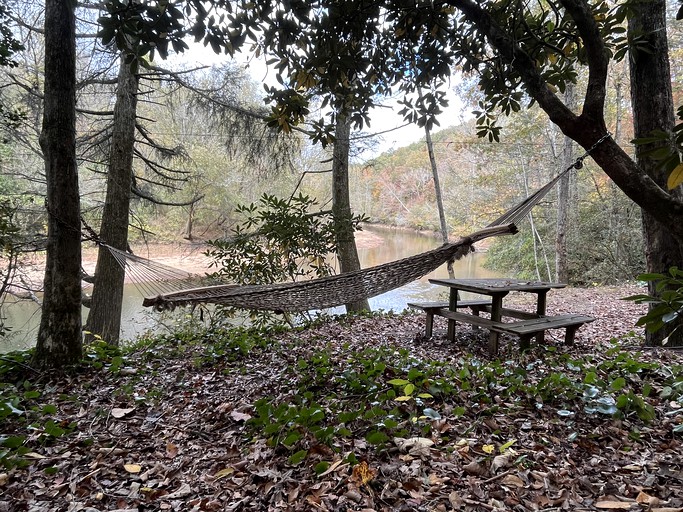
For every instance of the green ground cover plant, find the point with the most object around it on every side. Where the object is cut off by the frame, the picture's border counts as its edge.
(356, 401)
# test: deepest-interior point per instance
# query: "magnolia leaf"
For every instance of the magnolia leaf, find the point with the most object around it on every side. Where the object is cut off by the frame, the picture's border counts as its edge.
(512, 480)
(398, 382)
(403, 398)
(132, 468)
(676, 177)
(117, 412)
(618, 505)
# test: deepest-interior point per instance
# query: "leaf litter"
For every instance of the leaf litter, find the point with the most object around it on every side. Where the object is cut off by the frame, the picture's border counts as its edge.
(308, 420)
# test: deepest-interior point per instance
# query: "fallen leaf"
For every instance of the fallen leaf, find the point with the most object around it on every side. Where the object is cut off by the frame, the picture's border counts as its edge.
(34, 455)
(332, 468)
(617, 505)
(363, 473)
(132, 468)
(498, 462)
(474, 468)
(240, 416)
(117, 412)
(223, 473)
(488, 448)
(455, 500)
(414, 445)
(646, 499)
(183, 491)
(171, 450)
(512, 480)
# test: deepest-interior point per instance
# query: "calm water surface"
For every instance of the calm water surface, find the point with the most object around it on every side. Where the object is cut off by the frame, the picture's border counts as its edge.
(395, 244)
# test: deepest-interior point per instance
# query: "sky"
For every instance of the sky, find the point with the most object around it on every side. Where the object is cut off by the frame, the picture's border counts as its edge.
(382, 118)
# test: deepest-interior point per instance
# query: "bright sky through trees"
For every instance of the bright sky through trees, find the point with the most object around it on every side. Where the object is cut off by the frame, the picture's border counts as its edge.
(383, 118)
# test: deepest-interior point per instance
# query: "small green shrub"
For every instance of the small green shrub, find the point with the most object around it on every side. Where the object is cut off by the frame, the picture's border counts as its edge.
(279, 240)
(666, 306)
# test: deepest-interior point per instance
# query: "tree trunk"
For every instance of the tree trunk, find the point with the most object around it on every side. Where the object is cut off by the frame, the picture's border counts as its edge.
(187, 232)
(561, 267)
(104, 319)
(439, 195)
(341, 207)
(60, 334)
(653, 109)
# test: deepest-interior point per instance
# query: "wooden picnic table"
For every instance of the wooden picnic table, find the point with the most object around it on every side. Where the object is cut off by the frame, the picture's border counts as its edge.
(530, 324)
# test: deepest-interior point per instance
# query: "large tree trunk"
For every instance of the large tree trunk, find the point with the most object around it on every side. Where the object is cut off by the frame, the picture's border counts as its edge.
(104, 319)
(341, 207)
(60, 334)
(653, 109)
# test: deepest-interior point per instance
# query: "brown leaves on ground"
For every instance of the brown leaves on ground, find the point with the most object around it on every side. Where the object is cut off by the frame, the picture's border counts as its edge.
(182, 429)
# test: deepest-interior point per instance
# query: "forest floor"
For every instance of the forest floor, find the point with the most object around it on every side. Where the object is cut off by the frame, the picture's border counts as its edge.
(356, 413)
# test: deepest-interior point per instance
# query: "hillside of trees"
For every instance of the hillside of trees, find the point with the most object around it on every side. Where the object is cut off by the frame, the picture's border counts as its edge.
(480, 180)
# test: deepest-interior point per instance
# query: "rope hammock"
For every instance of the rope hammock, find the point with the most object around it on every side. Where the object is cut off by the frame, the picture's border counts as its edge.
(326, 292)
(168, 287)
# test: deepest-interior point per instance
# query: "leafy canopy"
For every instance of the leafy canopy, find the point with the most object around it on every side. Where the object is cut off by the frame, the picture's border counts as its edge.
(353, 52)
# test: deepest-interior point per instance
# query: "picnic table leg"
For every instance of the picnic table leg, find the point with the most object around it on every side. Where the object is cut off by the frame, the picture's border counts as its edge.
(569, 334)
(524, 342)
(496, 314)
(429, 323)
(453, 306)
(540, 311)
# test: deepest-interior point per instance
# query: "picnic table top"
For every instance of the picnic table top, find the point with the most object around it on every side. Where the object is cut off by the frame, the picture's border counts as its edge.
(496, 285)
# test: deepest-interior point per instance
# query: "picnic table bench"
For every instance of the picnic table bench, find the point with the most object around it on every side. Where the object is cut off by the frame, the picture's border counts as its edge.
(527, 324)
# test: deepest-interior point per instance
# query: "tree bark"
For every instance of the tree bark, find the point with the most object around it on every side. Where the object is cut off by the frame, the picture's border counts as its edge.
(341, 207)
(104, 320)
(653, 109)
(60, 334)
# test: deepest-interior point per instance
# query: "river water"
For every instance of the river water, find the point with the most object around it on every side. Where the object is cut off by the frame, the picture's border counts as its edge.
(389, 245)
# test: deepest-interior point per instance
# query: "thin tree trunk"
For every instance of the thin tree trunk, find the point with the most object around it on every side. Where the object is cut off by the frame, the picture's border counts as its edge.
(60, 334)
(439, 195)
(561, 266)
(341, 207)
(187, 235)
(653, 109)
(104, 319)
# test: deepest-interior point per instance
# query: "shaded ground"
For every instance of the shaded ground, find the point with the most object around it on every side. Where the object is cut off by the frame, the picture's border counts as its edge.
(326, 419)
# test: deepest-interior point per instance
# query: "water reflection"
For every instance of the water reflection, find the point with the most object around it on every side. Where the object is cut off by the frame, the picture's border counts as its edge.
(391, 245)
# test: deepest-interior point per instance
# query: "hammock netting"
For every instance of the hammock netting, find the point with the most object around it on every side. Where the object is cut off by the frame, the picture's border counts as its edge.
(330, 291)
(167, 288)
